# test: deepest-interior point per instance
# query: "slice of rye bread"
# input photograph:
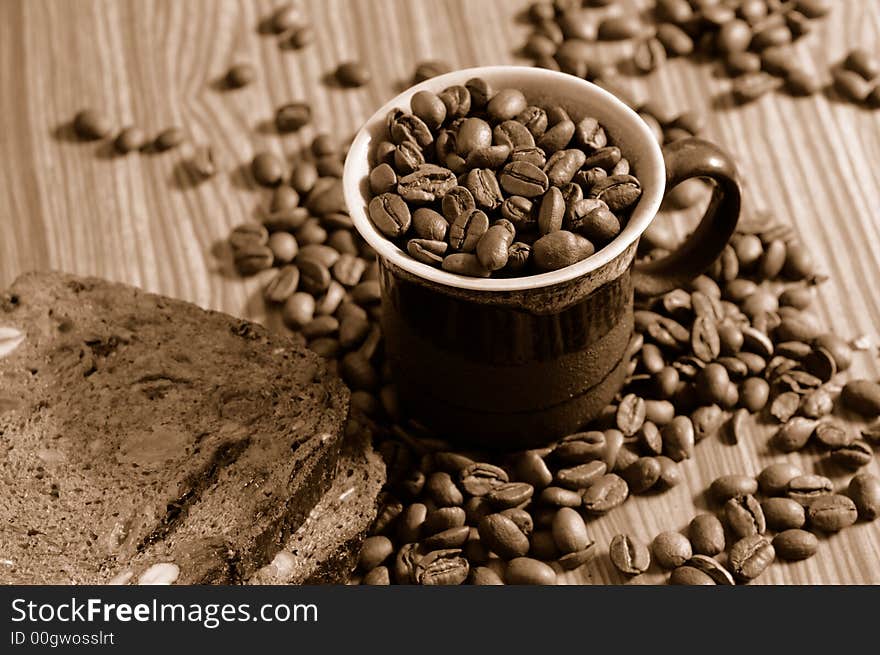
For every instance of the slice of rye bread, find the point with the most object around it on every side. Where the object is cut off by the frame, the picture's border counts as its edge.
(137, 429)
(325, 548)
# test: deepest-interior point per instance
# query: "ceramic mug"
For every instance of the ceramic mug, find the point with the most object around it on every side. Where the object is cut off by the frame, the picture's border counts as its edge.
(518, 362)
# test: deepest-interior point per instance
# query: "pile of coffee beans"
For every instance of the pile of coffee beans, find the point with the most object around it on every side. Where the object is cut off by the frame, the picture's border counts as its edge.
(480, 182)
(751, 39)
(781, 500)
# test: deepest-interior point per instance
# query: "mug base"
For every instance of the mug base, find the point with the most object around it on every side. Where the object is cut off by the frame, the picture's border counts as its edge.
(514, 430)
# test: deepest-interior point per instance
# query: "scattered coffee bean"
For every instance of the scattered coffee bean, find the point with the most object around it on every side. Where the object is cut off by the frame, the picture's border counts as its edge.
(832, 512)
(169, 138)
(629, 556)
(352, 74)
(864, 490)
(691, 576)
(240, 75)
(130, 139)
(671, 549)
(750, 556)
(528, 571)
(91, 125)
(795, 544)
(706, 534)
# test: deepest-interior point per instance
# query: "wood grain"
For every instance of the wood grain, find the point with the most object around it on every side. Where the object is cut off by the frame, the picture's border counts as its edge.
(140, 219)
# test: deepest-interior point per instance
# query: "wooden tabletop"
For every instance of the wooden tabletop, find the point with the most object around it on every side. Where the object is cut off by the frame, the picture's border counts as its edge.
(68, 205)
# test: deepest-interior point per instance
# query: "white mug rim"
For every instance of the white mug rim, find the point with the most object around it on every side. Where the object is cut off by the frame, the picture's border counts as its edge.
(652, 174)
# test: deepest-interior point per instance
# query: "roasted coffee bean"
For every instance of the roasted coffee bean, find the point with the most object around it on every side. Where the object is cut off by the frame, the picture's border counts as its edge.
(551, 212)
(563, 164)
(559, 497)
(864, 490)
(283, 246)
(129, 139)
(293, 116)
(427, 251)
(510, 494)
(807, 488)
(429, 108)
(408, 157)
(427, 69)
(442, 567)
(479, 478)
(676, 41)
(783, 513)
(642, 474)
(253, 258)
(773, 479)
(833, 434)
(613, 446)
(618, 28)
(530, 467)
(352, 74)
(784, 406)
(832, 512)
(480, 92)
(629, 556)
(456, 201)
(678, 438)
(390, 214)
(706, 534)
(706, 420)
(483, 185)
(464, 264)
(560, 249)
(581, 476)
(817, 404)
(298, 310)
(732, 486)
(375, 551)
(520, 178)
(659, 412)
(557, 137)
(267, 169)
(442, 518)
(750, 556)
(605, 494)
(518, 211)
(506, 104)
(599, 225)
(517, 137)
(862, 397)
(283, 285)
(473, 134)
(528, 571)
(569, 531)
(794, 434)
(451, 538)
(649, 438)
(751, 86)
(648, 56)
(691, 576)
(670, 474)
(426, 183)
(744, 516)
(521, 517)
(619, 192)
(588, 178)
(795, 544)
(862, 62)
(502, 536)
(712, 568)
(581, 447)
(442, 490)
(671, 549)
(467, 230)
(590, 134)
(90, 125)
(705, 341)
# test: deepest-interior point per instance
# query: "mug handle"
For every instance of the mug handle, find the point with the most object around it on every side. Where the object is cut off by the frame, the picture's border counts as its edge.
(687, 158)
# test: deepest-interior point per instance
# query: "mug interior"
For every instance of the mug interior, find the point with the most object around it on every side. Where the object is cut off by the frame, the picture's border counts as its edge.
(579, 98)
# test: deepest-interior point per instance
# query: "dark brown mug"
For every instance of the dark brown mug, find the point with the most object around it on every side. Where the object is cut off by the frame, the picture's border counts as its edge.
(522, 361)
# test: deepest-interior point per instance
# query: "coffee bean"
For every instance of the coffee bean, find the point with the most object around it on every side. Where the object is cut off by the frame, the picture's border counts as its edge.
(534, 118)
(581, 447)
(443, 518)
(480, 92)
(671, 549)
(283, 246)
(864, 490)
(427, 251)
(862, 62)
(862, 397)
(451, 538)
(706, 420)
(581, 476)
(130, 139)
(560, 249)
(563, 164)
(629, 556)
(298, 310)
(377, 576)
(464, 264)
(618, 28)
(808, 488)
(552, 211)
(502, 536)
(773, 479)
(479, 478)
(795, 544)
(530, 467)
(678, 438)
(648, 56)
(516, 136)
(744, 516)
(442, 567)
(569, 531)
(528, 571)
(619, 192)
(817, 404)
(783, 513)
(691, 576)
(642, 474)
(754, 394)
(605, 494)
(352, 74)
(510, 494)
(520, 178)
(390, 214)
(784, 406)
(427, 69)
(467, 231)
(705, 341)
(557, 137)
(169, 138)
(750, 556)
(442, 490)
(712, 568)
(833, 434)
(375, 551)
(706, 534)
(832, 512)
(506, 104)
(729, 487)
(850, 85)
(90, 125)
(670, 474)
